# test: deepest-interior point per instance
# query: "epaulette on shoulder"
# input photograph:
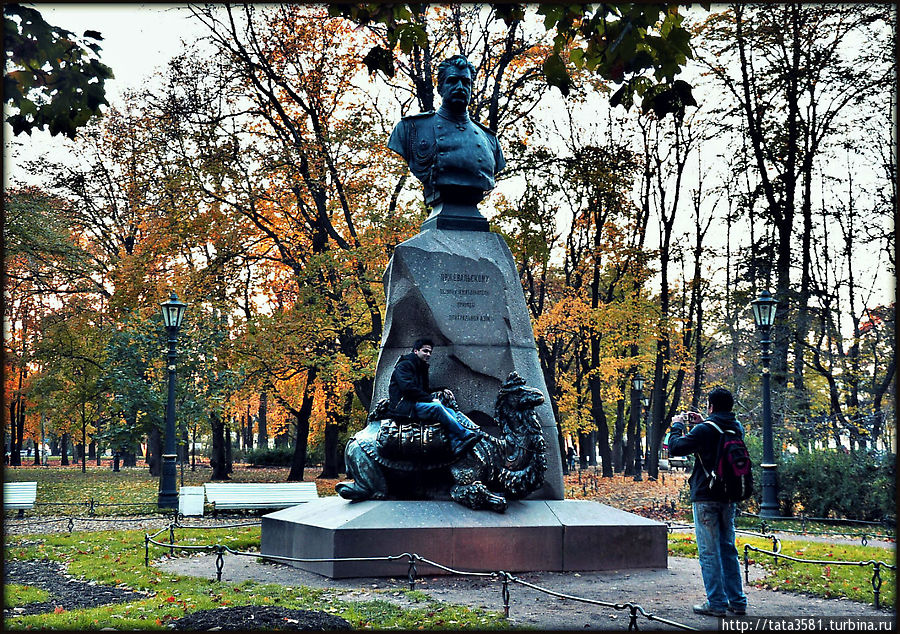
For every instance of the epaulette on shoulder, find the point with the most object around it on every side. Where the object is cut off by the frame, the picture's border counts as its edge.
(485, 128)
(420, 115)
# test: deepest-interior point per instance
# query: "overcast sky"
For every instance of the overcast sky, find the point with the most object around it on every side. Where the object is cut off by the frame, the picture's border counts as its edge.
(138, 38)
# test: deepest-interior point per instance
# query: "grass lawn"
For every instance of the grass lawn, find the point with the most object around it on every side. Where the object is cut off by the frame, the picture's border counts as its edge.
(15, 595)
(828, 581)
(117, 558)
(59, 487)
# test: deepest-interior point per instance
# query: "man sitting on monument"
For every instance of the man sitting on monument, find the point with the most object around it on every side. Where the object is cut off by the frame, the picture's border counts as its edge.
(455, 158)
(410, 396)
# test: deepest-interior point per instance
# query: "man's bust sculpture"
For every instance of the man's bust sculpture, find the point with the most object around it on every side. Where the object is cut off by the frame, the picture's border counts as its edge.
(455, 158)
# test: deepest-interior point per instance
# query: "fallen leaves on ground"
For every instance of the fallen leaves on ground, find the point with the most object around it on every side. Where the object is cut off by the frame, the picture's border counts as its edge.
(659, 499)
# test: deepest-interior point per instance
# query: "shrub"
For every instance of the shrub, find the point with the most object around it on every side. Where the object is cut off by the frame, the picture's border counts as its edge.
(276, 457)
(829, 483)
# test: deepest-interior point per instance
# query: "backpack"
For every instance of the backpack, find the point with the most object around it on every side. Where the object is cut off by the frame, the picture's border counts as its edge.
(731, 479)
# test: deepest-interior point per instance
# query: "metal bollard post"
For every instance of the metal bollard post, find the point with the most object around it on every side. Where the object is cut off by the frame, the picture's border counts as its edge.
(220, 561)
(411, 573)
(505, 593)
(71, 524)
(632, 624)
(746, 563)
(146, 550)
(876, 584)
(91, 507)
(775, 548)
(865, 540)
(172, 539)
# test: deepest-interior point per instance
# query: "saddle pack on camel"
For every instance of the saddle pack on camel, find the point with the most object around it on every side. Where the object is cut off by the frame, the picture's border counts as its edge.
(413, 440)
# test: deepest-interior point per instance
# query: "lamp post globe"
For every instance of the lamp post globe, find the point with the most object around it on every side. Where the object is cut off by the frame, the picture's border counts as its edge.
(764, 316)
(172, 313)
(637, 385)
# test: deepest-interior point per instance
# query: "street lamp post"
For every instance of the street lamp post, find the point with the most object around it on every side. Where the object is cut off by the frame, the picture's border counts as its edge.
(764, 316)
(172, 313)
(637, 383)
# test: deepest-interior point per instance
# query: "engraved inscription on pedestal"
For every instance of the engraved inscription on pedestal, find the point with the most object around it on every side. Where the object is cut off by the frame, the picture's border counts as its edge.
(471, 294)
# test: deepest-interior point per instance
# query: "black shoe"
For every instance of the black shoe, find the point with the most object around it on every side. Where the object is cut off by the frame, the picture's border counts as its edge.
(737, 611)
(704, 608)
(462, 446)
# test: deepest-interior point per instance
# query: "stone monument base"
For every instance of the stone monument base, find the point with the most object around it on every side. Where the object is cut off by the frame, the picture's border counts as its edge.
(551, 535)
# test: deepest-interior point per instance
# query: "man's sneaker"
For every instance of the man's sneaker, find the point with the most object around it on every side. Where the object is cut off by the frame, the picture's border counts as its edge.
(737, 611)
(704, 608)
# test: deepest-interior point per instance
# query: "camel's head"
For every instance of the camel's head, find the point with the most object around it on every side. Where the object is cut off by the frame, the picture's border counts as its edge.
(515, 398)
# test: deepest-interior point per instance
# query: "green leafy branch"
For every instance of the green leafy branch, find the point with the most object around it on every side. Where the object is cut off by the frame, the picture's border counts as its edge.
(52, 78)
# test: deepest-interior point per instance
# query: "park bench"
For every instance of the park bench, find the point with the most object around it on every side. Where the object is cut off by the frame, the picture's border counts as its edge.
(19, 495)
(258, 495)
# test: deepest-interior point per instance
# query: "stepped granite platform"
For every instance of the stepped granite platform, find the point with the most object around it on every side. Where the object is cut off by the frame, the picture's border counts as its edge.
(547, 535)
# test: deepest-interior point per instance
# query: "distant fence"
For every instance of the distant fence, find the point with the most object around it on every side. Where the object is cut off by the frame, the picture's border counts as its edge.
(864, 535)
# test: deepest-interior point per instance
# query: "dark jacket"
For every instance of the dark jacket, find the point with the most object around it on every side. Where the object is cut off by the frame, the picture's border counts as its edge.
(409, 384)
(703, 442)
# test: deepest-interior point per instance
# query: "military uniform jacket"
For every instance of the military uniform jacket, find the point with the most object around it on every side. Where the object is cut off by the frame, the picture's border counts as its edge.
(445, 152)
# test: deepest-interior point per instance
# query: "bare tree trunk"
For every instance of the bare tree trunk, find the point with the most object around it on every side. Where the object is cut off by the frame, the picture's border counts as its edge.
(333, 450)
(262, 436)
(217, 451)
(301, 422)
(64, 450)
(15, 457)
(154, 451)
(618, 449)
(229, 462)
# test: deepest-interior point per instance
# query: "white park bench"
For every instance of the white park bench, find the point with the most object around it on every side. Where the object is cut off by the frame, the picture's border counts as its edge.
(258, 495)
(19, 495)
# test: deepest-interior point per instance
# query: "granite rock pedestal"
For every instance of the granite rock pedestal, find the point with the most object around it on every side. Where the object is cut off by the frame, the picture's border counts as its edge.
(462, 290)
(533, 535)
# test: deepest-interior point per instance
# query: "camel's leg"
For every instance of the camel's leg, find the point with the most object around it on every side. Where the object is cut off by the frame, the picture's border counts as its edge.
(477, 497)
(368, 483)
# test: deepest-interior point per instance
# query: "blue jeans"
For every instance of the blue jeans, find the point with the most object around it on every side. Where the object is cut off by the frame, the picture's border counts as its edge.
(719, 562)
(446, 417)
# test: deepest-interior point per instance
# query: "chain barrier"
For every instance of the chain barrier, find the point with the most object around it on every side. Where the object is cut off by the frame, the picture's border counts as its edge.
(876, 575)
(72, 518)
(863, 536)
(93, 504)
(776, 543)
(766, 531)
(506, 578)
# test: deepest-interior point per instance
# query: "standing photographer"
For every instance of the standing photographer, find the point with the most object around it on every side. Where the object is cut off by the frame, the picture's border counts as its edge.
(713, 517)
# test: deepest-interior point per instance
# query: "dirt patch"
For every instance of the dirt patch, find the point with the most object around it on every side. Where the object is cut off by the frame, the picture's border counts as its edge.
(65, 591)
(249, 617)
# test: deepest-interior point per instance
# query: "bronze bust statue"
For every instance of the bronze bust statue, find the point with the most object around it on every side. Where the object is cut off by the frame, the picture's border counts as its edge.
(455, 157)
